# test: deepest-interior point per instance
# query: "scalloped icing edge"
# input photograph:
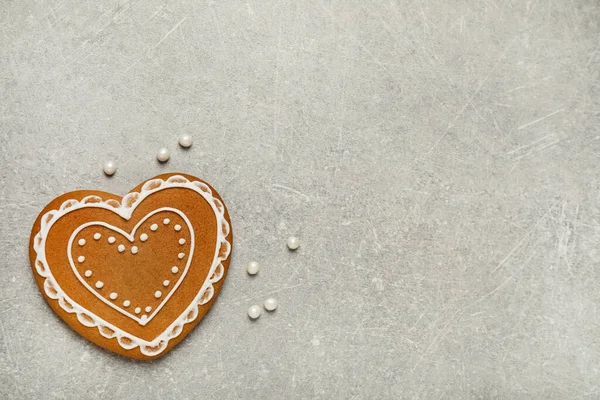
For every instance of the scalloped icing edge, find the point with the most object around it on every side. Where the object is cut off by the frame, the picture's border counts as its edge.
(125, 209)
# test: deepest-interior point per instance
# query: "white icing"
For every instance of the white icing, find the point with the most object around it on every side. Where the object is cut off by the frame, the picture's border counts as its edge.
(138, 310)
(111, 240)
(126, 340)
(126, 303)
(157, 294)
(182, 241)
(113, 296)
(143, 237)
(174, 270)
(148, 309)
(180, 255)
(81, 242)
(97, 236)
(99, 284)
(153, 227)
(166, 221)
(81, 259)
(177, 228)
(121, 249)
(88, 273)
(166, 282)
(134, 250)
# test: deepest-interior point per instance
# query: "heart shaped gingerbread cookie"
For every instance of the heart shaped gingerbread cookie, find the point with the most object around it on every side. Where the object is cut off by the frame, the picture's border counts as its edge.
(134, 274)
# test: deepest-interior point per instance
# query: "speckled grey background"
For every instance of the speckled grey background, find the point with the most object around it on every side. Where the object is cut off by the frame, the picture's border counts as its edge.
(439, 160)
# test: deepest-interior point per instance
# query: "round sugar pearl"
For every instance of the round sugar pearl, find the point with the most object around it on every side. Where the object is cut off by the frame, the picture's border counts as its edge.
(270, 304)
(252, 268)
(293, 243)
(185, 141)
(254, 312)
(163, 155)
(109, 168)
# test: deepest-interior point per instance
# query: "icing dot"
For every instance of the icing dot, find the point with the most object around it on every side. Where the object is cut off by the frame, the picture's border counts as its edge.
(144, 317)
(177, 228)
(143, 237)
(113, 296)
(163, 155)
(182, 241)
(109, 168)
(134, 250)
(254, 312)
(252, 267)
(137, 310)
(81, 259)
(97, 235)
(293, 243)
(111, 239)
(166, 282)
(166, 221)
(270, 304)
(126, 303)
(148, 309)
(81, 242)
(153, 227)
(174, 270)
(121, 248)
(157, 294)
(180, 255)
(88, 273)
(185, 141)
(99, 284)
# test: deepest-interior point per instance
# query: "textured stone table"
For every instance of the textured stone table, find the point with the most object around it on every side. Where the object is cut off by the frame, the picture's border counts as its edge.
(438, 159)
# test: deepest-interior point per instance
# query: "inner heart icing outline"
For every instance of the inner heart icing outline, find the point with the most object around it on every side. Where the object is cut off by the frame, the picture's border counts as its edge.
(131, 237)
(125, 209)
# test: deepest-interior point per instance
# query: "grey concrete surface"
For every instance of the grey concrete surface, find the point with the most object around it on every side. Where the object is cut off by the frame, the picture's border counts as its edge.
(438, 159)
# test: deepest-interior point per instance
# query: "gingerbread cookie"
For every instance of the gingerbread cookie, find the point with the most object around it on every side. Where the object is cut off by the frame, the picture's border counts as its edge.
(134, 274)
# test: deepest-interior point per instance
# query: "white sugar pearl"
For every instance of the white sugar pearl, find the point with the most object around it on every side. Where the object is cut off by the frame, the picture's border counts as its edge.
(113, 296)
(109, 168)
(81, 242)
(185, 141)
(163, 155)
(293, 243)
(254, 312)
(270, 304)
(252, 268)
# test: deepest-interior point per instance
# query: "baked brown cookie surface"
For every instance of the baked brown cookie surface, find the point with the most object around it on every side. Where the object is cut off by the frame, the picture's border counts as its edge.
(133, 274)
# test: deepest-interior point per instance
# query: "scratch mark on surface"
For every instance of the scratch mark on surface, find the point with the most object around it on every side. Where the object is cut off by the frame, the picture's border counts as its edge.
(170, 32)
(525, 236)
(540, 119)
(289, 189)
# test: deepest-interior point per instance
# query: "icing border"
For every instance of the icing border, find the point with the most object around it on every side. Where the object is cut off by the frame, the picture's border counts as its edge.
(125, 209)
